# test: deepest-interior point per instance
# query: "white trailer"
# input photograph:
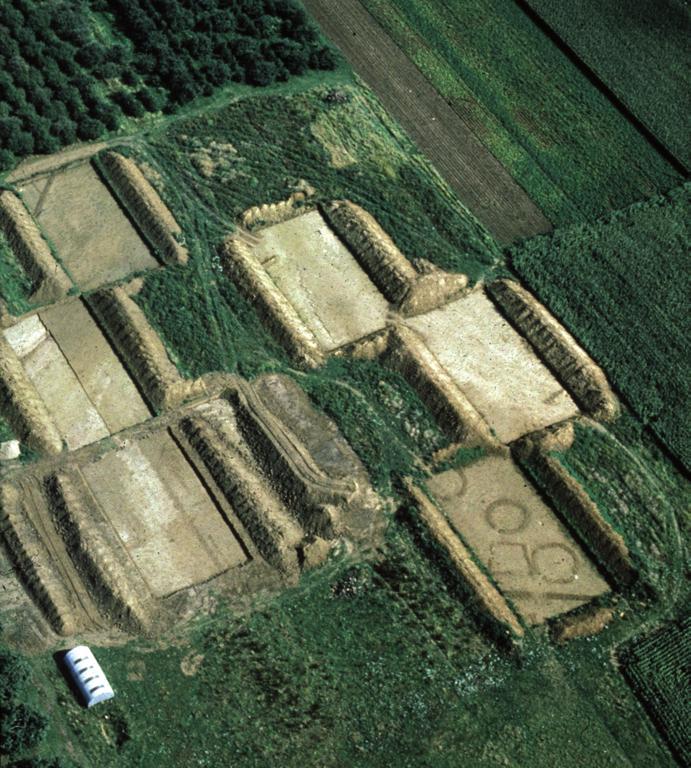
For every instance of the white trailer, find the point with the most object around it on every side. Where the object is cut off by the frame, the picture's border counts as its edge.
(88, 675)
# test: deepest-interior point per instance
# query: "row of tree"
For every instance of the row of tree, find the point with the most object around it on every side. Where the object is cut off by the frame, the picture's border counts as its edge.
(60, 81)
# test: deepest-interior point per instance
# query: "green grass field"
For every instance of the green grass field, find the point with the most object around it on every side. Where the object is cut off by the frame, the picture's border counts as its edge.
(356, 665)
(639, 493)
(558, 136)
(639, 50)
(621, 286)
(15, 285)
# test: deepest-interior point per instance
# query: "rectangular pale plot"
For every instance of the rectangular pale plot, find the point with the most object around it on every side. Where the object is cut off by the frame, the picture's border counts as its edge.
(320, 277)
(74, 414)
(93, 237)
(533, 559)
(93, 361)
(494, 366)
(163, 515)
(75, 371)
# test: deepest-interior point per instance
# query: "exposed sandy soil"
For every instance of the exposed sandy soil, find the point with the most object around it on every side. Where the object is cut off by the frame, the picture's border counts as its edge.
(93, 237)
(326, 445)
(494, 366)
(172, 529)
(87, 391)
(43, 164)
(93, 361)
(74, 414)
(531, 556)
(321, 278)
(446, 137)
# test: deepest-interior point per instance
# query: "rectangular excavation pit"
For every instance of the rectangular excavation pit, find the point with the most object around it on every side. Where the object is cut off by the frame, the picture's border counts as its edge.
(494, 366)
(83, 384)
(93, 237)
(173, 531)
(533, 559)
(321, 279)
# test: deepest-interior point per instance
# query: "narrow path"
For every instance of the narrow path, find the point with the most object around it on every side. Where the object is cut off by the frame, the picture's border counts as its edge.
(483, 185)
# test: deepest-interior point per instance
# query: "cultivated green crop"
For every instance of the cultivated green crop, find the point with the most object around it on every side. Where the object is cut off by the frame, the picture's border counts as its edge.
(559, 137)
(621, 285)
(639, 50)
(657, 666)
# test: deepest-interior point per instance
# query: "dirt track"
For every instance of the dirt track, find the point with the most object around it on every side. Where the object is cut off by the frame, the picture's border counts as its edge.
(477, 177)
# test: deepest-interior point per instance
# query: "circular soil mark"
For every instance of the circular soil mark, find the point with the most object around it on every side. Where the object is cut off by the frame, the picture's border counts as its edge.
(505, 516)
(454, 485)
(557, 563)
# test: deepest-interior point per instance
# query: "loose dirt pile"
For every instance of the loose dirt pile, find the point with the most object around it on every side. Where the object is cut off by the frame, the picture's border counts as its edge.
(144, 205)
(32, 251)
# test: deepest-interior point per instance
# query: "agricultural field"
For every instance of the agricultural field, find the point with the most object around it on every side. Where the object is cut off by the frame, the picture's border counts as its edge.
(640, 53)
(610, 269)
(652, 664)
(481, 182)
(303, 460)
(559, 137)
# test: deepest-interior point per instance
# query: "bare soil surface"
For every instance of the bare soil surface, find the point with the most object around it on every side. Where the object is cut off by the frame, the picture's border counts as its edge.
(494, 366)
(530, 555)
(162, 513)
(476, 176)
(321, 437)
(93, 237)
(322, 280)
(99, 371)
(87, 391)
(74, 414)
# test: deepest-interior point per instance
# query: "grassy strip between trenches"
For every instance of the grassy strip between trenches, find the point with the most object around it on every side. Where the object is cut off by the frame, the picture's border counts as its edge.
(621, 286)
(557, 135)
(641, 495)
(15, 285)
(654, 82)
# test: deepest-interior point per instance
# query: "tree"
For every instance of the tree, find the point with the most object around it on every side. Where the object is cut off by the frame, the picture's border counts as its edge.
(152, 99)
(90, 54)
(129, 104)
(260, 72)
(322, 58)
(293, 55)
(109, 114)
(64, 130)
(89, 129)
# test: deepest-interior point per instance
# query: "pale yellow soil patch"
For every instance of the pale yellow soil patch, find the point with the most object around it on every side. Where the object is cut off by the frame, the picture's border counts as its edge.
(172, 529)
(93, 237)
(329, 290)
(494, 366)
(531, 556)
(75, 416)
(93, 361)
